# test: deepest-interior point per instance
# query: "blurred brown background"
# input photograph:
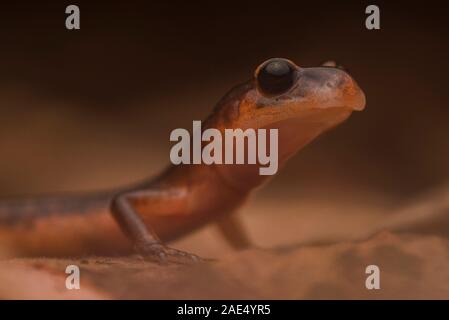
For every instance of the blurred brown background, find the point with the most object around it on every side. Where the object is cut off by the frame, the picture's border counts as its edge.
(89, 109)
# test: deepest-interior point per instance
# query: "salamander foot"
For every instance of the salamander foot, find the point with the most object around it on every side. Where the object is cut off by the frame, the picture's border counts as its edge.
(160, 253)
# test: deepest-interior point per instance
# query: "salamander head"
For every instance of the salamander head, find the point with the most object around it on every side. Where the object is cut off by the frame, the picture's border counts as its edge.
(301, 103)
(282, 90)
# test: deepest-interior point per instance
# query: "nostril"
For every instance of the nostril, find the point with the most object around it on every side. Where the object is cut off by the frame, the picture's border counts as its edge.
(333, 84)
(340, 81)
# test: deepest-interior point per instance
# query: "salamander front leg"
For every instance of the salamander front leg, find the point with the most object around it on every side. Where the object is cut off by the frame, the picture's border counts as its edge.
(145, 240)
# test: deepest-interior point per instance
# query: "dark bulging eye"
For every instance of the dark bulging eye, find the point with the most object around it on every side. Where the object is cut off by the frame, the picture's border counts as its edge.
(276, 76)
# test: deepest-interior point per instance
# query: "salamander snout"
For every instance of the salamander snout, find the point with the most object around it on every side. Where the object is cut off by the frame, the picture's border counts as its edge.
(330, 87)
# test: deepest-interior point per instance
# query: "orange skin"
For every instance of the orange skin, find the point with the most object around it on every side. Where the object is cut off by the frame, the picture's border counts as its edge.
(184, 197)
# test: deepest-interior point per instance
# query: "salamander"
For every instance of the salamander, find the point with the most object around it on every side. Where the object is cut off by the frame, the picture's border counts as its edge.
(302, 103)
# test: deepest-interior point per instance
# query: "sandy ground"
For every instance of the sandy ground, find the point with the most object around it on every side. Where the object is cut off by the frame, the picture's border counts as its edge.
(313, 250)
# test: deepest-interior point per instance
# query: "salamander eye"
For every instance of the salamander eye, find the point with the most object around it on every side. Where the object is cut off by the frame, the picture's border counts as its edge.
(275, 76)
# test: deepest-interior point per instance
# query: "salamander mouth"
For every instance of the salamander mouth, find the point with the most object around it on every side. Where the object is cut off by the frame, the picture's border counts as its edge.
(311, 119)
(324, 116)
